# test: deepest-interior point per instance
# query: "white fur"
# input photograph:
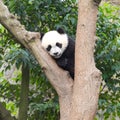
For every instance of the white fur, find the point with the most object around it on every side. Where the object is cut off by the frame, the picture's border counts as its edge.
(51, 38)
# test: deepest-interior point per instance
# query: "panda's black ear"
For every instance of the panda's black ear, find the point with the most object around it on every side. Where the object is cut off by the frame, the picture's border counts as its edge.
(42, 34)
(60, 30)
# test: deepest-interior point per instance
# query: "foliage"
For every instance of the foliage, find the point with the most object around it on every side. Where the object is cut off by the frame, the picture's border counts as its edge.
(39, 15)
(44, 108)
(108, 59)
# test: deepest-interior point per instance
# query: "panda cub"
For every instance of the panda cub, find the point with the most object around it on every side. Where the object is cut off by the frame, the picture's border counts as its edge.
(61, 48)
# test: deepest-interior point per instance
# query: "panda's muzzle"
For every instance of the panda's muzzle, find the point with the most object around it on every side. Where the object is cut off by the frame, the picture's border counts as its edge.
(56, 53)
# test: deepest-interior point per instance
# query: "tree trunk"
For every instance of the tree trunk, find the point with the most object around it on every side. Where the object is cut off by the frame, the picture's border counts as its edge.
(87, 77)
(23, 107)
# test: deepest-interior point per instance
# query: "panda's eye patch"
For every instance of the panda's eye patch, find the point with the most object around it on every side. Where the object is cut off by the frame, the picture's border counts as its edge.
(59, 45)
(49, 47)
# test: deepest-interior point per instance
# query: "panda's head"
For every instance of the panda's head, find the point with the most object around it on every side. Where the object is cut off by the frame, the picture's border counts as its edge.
(55, 42)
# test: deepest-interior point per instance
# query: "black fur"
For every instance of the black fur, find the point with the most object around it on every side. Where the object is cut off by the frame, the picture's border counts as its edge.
(66, 61)
(41, 35)
(60, 30)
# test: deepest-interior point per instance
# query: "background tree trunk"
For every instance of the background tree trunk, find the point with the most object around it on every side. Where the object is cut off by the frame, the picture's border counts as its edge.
(23, 107)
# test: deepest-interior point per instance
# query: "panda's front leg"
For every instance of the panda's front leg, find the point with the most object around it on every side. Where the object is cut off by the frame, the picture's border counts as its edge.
(62, 62)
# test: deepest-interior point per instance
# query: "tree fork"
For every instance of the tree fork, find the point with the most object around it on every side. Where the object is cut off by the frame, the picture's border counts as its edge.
(78, 100)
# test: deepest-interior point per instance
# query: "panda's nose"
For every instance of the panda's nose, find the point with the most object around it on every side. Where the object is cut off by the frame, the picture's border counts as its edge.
(56, 53)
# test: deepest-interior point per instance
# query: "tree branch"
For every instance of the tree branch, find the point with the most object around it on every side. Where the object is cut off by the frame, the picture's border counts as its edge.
(60, 79)
(5, 114)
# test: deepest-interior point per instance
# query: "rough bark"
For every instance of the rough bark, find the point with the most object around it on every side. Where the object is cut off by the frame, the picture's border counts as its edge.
(23, 107)
(87, 77)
